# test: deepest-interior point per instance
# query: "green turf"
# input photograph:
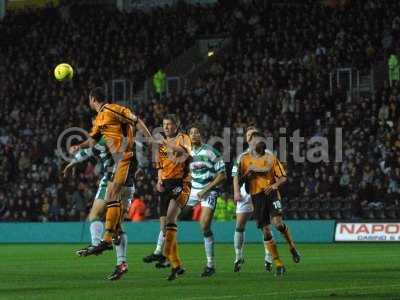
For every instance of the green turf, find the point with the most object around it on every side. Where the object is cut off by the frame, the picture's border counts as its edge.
(336, 271)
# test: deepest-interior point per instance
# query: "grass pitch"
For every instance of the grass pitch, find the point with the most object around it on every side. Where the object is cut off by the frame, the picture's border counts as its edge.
(329, 271)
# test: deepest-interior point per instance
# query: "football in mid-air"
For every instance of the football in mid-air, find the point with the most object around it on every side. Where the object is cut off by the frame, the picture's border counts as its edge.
(63, 72)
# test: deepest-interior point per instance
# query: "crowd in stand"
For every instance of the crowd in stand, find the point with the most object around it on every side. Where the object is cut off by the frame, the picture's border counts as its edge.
(276, 75)
(101, 43)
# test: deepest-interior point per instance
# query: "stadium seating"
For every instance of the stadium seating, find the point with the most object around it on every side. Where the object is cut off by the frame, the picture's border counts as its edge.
(273, 77)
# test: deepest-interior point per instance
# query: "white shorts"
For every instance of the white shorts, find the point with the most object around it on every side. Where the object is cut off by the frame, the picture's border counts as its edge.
(245, 205)
(210, 201)
(126, 193)
(102, 189)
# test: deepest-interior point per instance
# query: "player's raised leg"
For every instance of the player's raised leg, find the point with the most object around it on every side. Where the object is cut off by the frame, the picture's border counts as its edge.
(122, 261)
(96, 225)
(122, 244)
(96, 212)
(113, 215)
(284, 230)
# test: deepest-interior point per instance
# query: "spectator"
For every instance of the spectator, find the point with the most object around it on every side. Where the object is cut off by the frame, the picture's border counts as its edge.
(276, 75)
(79, 203)
(137, 210)
(394, 69)
(196, 212)
(55, 210)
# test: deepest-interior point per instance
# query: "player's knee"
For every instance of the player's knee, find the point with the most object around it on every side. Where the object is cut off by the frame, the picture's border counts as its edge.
(207, 233)
(266, 229)
(113, 191)
(240, 224)
(93, 217)
(239, 229)
(281, 227)
(267, 235)
(205, 226)
(169, 220)
(111, 195)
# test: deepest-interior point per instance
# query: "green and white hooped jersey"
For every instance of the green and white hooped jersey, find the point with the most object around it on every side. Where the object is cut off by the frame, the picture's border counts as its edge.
(207, 163)
(107, 164)
(101, 151)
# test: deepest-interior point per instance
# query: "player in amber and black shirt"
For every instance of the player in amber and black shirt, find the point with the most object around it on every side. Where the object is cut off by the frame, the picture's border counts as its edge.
(117, 125)
(262, 174)
(173, 184)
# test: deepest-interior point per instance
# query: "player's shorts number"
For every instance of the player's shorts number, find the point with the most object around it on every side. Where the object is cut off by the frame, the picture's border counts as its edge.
(277, 205)
(211, 199)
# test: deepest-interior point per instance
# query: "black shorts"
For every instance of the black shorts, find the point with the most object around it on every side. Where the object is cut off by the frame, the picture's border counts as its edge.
(265, 207)
(174, 189)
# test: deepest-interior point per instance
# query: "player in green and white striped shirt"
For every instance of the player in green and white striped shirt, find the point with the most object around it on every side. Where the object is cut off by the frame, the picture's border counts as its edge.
(208, 173)
(107, 163)
(101, 151)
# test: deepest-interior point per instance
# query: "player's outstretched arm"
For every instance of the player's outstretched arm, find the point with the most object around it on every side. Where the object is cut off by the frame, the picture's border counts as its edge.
(235, 176)
(236, 189)
(143, 129)
(182, 148)
(90, 142)
(127, 116)
(79, 157)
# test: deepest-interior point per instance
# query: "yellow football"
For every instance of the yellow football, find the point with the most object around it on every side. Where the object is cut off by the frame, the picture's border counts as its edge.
(63, 72)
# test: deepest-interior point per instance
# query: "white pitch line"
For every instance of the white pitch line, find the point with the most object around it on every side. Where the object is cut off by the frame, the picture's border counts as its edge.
(293, 292)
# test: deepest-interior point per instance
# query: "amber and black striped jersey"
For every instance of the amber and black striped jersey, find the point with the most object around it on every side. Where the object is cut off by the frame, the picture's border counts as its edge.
(114, 123)
(174, 165)
(264, 170)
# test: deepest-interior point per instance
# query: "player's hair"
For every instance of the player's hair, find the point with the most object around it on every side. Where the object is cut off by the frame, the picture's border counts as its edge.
(199, 126)
(251, 127)
(257, 133)
(98, 94)
(173, 118)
